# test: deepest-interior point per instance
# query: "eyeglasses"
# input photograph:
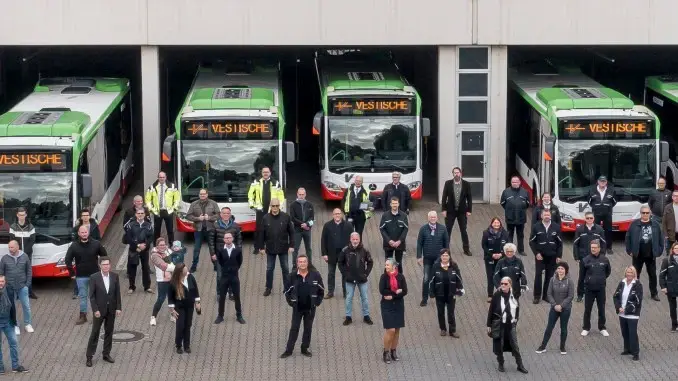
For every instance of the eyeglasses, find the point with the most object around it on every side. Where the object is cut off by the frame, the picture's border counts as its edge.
(589, 218)
(508, 251)
(644, 212)
(275, 206)
(85, 215)
(504, 284)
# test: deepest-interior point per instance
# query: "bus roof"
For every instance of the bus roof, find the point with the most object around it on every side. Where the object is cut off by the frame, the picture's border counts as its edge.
(666, 85)
(346, 73)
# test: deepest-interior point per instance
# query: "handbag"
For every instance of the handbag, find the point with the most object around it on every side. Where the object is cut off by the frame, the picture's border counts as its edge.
(495, 331)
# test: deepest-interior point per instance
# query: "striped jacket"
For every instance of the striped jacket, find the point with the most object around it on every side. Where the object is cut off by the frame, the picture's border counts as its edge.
(25, 235)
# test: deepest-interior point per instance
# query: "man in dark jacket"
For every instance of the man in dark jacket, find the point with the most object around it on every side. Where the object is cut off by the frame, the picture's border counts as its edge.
(276, 240)
(582, 247)
(355, 264)
(225, 223)
(139, 233)
(546, 205)
(229, 257)
(86, 253)
(334, 237)
(432, 238)
(17, 269)
(130, 212)
(669, 226)
(393, 228)
(547, 246)
(302, 215)
(203, 212)
(659, 199)
(91, 224)
(645, 242)
(399, 190)
(457, 204)
(515, 201)
(668, 283)
(357, 204)
(596, 271)
(602, 200)
(23, 232)
(7, 329)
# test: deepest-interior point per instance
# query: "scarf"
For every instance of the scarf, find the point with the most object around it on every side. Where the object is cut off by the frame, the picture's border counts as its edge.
(494, 233)
(513, 306)
(392, 280)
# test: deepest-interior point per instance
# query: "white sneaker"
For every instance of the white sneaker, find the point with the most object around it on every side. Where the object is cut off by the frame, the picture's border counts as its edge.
(17, 331)
(604, 332)
(153, 322)
(173, 319)
(29, 328)
(584, 333)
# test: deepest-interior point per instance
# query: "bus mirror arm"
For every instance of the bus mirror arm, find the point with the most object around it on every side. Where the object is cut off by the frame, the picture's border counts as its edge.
(663, 151)
(425, 127)
(85, 185)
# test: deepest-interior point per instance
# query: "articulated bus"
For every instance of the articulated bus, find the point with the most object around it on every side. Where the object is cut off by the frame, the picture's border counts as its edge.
(230, 126)
(566, 130)
(370, 124)
(66, 146)
(661, 95)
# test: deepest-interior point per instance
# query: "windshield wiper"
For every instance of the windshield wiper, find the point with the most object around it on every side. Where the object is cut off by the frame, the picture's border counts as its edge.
(55, 240)
(350, 167)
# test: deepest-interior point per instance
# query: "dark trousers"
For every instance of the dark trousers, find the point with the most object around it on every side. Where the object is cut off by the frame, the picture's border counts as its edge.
(198, 238)
(304, 235)
(629, 331)
(463, 221)
(672, 311)
(651, 264)
(297, 317)
(397, 255)
(183, 327)
(520, 232)
(554, 315)
(145, 271)
(284, 269)
(451, 321)
(358, 222)
(229, 282)
(169, 225)
(548, 265)
(589, 297)
(259, 217)
(331, 274)
(490, 266)
(163, 289)
(428, 266)
(581, 287)
(108, 321)
(606, 221)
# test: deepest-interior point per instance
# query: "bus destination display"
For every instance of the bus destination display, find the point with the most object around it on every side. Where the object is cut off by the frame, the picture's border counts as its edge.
(608, 129)
(371, 106)
(33, 161)
(228, 130)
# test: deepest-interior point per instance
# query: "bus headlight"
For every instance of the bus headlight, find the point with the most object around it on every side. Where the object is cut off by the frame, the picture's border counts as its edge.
(414, 185)
(61, 262)
(566, 217)
(332, 187)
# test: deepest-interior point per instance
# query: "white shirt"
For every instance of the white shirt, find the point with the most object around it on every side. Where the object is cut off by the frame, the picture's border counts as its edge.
(546, 226)
(625, 298)
(357, 190)
(229, 249)
(107, 281)
(601, 192)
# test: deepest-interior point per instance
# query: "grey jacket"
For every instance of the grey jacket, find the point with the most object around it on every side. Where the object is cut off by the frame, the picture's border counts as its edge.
(17, 270)
(210, 208)
(561, 292)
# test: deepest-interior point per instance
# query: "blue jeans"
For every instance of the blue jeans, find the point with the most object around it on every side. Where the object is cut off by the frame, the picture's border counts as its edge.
(284, 269)
(364, 301)
(9, 333)
(428, 265)
(163, 289)
(199, 237)
(304, 235)
(22, 296)
(564, 317)
(83, 292)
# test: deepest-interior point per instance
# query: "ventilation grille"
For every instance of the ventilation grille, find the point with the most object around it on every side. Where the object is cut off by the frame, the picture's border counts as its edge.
(232, 93)
(581, 93)
(366, 76)
(76, 90)
(77, 82)
(38, 118)
(55, 109)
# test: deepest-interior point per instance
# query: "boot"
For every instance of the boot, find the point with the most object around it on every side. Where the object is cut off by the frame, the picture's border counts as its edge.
(394, 356)
(387, 357)
(500, 360)
(521, 367)
(82, 319)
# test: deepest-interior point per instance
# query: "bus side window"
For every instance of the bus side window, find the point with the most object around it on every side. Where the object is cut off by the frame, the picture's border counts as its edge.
(112, 135)
(125, 126)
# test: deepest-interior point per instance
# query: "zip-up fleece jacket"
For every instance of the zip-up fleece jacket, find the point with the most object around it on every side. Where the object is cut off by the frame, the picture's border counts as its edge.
(546, 242)
(596, 271)
(355, 264)
(634, 303)
(436, 286)
(394, 227)
(300, 213)
(561, 292)
(493, 243)
(429, 246)
(17, 270)
(317, 288)
(24, 234)
(668, 276)
(633, 239)
(581, 247)
(515, 203)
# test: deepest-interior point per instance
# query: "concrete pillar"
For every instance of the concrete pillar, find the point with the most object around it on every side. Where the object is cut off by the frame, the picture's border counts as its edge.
(447, 114)
(498, 103)
(150, 110)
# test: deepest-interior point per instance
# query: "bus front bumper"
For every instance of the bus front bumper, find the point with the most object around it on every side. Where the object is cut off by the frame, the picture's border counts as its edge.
(49, 270)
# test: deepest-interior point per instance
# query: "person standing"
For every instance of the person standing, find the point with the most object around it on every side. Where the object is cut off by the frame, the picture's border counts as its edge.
(139, 235)
(302, 215)
(645, 243)
(502, 318)
(259, 197)
(357, 205)
(7, 329)
(130, 213)
(547, 246)
(276, 240)
(18, 272)
(515, 202)
(162, 200)
(23, 232)
(457, 204)
(184, 296)
(91, 224)
(445, 286)
(86, 253)
(203, 212)
(668, 283)
(393, 288)
(602, 200)
(432, 238)
(546, 205)
(393, 228)
(104, 297)
(335, 236)
(225, 223)
(229, 257)
(596, 271)
(659, 199)
(355, 264)
(670, 220)
(512, 267)
(581, 246)
(399, 190)
(628, 301)
(161, 258)
(493, 242)
(560, 294)
(304, 295)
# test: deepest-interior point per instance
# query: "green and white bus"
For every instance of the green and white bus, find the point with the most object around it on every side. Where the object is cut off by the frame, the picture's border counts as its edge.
(66, 146)
(565, 130)
(370, 124)
(230, 126)
(661, 95)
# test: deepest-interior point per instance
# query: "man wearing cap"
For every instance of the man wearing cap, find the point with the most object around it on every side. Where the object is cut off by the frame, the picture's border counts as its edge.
(602, 200)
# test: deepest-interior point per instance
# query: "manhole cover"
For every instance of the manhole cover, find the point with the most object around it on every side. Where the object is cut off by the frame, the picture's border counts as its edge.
(125, 336)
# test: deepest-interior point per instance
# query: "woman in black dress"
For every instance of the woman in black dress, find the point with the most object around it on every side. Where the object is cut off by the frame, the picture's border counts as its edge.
(502, 318)
(393, 288)
(445, 286)
(183, 298)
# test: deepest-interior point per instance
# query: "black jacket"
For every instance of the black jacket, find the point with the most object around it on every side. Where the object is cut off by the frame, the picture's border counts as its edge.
(104, 302)
(634, 303)
(94, 232)
(633, 237)
(493, 243)
(546, 242)
(394, 227)
(436, 286)
(86, 256)
(355, 264)
(555, 214)
(24, 235)
(495, 311)
(229, 264)
(513, 268)
(191, 295)
(429, 246)
(335, 237)
(131, 214)
(668, 276)
(465, 201)
(220, 228)
(583, 236)
(316, 283)
(602, 206)
(385, 287)
(301, 213)
(658, 201)
(403, 194)
(515, 203)
(596, 271)
(276, 233)
(137, 233)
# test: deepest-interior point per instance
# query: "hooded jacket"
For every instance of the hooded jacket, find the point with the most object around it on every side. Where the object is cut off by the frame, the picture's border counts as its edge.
(24, 234)
(355, 264)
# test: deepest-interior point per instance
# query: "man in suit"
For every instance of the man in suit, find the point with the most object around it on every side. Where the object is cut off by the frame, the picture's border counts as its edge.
(104, 297)
(457, 204)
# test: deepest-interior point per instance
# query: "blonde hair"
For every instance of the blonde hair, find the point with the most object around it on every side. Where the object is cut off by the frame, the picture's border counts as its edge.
(633, 270)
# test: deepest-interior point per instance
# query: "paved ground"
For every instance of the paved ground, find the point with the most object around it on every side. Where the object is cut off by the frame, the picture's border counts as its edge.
(231, 351)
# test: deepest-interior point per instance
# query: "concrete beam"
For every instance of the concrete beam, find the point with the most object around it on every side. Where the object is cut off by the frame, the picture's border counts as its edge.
(150, 106)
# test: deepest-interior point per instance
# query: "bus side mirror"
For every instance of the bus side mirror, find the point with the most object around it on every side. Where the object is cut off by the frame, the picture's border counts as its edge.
(549, 148)
(167, 148)
(317, 123)
(425, 127)
(85, 185)
(663, 152)
(289, 152)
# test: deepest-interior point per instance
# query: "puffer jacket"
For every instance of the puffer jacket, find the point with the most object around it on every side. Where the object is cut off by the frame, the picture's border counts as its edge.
(658, 201)
(429, 245)
(668, 276)
(220, 228)
(17, 270)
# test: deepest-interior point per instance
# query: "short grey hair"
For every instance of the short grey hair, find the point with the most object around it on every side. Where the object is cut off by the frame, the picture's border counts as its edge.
(645, 206)
(433, 213)
(510, 246)
(138, 197)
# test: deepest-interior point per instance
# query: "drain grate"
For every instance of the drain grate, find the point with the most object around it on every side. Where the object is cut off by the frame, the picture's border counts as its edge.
(125, 336)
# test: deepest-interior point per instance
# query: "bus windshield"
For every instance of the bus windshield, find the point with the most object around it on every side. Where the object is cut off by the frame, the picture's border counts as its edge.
(47, 199)
(381, 144)
(225, 168)
(628, 164)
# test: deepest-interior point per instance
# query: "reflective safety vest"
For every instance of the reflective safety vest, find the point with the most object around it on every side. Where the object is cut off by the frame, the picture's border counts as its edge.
(256, 191)
(152, 198)
(347, 199)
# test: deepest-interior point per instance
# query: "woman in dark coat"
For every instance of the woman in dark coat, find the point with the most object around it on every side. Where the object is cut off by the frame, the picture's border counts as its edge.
(393, 288)
(628, 301)
(494, 239)
(183, 298)
(502, 318)
(445, 285)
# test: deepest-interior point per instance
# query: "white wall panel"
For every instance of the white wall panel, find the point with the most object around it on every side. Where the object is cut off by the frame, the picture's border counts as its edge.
(447, 114)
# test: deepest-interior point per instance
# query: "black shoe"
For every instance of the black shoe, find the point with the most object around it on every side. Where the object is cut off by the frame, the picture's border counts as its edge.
(348, 320)
(267, 292)
(655, 298)
(394, 356)
(32, 295)
(522, 253)
(536, 301)
(240, 320)
(500, 368)
(329, 295)
(580, 299)
(219, 320)
(187, 350)
(89, 363)
(231, 297)
(306, 353)
(636, 357)
(522, 369)
(423, 303)
(19, 369)
(180, 351)
(368, 320)
(625, 353)
(467, 252)
(109, 359)
(286, 354)
(609, 252)
(193, 270)
(387, 357)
